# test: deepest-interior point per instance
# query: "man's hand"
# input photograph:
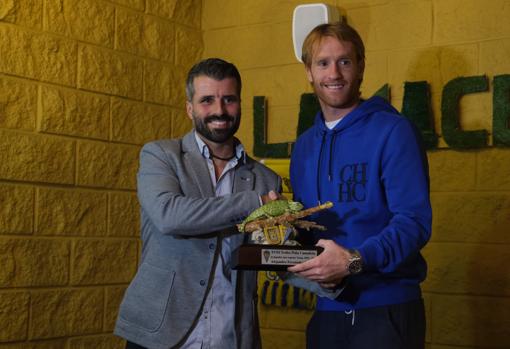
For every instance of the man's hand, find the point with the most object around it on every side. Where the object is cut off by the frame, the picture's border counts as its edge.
(271, 196)
(329, 268)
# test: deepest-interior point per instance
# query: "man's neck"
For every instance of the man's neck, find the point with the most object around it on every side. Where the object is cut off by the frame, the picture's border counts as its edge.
(332, 114)
(221, 150)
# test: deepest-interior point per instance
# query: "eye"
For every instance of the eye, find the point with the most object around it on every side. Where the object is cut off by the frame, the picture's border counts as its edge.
(206, 100)
(322, 63)
(230, 99)
(345, 62)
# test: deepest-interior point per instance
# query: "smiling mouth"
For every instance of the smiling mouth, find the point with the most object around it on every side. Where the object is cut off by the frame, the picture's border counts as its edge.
(333, 85)
(219, 123)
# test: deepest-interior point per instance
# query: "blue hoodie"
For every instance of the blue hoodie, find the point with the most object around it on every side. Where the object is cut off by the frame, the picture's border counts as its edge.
(374, 169)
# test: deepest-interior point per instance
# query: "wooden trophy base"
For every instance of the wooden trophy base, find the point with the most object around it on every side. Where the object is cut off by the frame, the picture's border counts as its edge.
(272, 257)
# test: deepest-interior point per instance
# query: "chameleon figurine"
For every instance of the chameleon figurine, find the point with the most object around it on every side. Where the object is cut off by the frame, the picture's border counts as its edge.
(272, 209)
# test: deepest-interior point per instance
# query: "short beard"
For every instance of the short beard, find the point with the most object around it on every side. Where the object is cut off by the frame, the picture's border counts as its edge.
(216, 136)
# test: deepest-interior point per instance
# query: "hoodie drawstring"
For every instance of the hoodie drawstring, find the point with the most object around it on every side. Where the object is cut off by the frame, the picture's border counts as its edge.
(331, 157)
(353, 312)
(320, 161)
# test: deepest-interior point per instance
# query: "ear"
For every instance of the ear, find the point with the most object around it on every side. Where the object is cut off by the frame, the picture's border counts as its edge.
(189, 109)
(309, 74)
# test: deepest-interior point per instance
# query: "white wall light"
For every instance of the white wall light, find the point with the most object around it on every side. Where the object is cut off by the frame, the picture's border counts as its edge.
(305, 18)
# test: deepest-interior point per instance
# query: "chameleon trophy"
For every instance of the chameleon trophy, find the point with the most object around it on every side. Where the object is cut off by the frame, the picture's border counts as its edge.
(273, 232)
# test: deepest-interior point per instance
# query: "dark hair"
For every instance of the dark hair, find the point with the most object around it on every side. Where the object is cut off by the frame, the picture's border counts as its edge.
(215, 68)
(339, 30)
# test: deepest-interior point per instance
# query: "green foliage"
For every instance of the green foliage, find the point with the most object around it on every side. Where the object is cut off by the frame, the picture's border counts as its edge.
(452, 132)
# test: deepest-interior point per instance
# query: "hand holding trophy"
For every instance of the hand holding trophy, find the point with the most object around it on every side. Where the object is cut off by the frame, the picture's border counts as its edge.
(273, 244)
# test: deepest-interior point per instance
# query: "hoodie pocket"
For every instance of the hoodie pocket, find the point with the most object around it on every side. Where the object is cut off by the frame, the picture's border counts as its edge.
(146, 299)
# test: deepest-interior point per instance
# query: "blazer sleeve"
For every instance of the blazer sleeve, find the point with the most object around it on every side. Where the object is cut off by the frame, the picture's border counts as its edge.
(161, 196)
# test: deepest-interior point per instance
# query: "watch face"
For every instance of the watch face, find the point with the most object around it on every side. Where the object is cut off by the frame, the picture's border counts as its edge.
(355, 266)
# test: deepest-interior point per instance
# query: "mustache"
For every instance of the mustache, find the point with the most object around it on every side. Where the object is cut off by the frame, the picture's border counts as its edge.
(222, 117)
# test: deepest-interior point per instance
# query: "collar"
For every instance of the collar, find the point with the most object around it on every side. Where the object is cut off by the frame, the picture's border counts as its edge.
(240, 154)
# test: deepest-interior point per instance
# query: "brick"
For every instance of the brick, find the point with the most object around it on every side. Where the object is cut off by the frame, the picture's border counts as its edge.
(97, 342)
(376, 75)
(411, 28)
(107, 166)
(18, 104)
(282, 86)
(281, 124)
(33, 262)
(164, 84)
(134, 4)
(188, 46)
(71, 212)
(459, 20)
(436, 65)
(492, 57)
(14, 316)
(264, 11)
(16, 209)
(22, 12)
(459, 268)
(477, 321)
(189, 13)
(59, 313)
(45, 344)
(74, 113)
(351, 4)
(109, 72)
(493, 167)
(161, 8)
(282, 339)
(86, 20)
(248, 47)
(124, 215)
(145, 35)
(230, 10)
(103, 261)
(181, 123)
(471, 217)
(36, 158)
(139, 123)
(114, 296)
(444, 170)
(38, 56)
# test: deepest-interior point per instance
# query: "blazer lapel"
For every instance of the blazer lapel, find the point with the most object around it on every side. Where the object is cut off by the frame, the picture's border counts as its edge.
(194, 160)
(244, 180)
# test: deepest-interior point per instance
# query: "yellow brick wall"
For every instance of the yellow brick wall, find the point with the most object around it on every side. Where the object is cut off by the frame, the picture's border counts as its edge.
(83, 84)
(467, 292)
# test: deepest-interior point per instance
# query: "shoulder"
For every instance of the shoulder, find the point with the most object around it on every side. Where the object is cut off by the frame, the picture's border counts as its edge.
(163, 146)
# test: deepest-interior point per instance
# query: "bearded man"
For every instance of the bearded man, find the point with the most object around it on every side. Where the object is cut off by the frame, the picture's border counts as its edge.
(192, 193)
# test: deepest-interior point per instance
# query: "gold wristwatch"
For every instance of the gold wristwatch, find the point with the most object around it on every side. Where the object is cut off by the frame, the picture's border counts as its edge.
(355, 265)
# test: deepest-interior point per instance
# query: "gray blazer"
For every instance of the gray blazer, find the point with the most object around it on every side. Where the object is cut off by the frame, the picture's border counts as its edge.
(180, 218)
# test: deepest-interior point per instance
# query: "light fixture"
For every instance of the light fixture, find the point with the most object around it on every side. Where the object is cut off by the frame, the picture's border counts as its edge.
(305, 18)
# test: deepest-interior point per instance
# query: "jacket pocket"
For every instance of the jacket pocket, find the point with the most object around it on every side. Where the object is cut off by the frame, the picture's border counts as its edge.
(146, 299)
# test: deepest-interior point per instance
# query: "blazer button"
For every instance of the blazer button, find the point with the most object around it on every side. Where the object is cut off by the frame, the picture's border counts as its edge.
(211, 246)
(202, 282)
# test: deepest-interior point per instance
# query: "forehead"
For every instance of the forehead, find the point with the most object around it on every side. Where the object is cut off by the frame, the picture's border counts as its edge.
(331, 46)
(206, 86)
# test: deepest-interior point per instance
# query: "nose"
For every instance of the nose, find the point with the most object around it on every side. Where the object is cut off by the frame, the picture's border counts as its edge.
(219, 107)
(335, 71)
